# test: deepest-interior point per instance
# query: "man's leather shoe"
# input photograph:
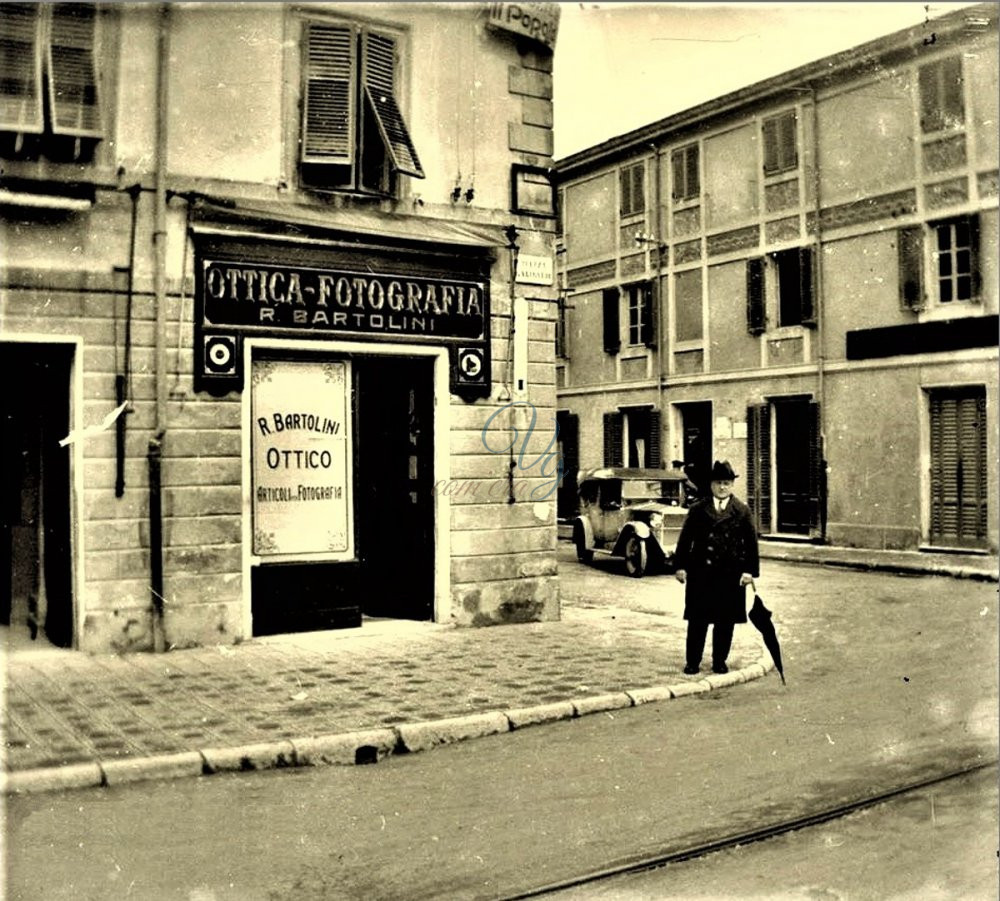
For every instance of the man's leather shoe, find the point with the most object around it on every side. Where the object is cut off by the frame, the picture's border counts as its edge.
(721, 669)
(691, 670)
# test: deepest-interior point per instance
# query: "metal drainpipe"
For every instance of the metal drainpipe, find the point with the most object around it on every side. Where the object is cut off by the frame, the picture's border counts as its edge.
(155, 453)
(820, 311)
(657, 292)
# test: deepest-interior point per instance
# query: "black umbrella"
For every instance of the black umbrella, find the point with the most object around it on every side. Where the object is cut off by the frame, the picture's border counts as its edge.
(760, 616)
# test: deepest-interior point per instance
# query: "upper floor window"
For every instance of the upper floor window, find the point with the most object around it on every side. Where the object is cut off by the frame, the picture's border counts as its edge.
(633, 190)
(780, 143)
(354, 136)
(954, 262)
(687, 185)
(941, 102)
(49, 103)
(792, 293)
(641, 323)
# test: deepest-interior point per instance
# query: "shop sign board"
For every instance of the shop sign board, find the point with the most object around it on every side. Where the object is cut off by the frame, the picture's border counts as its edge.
(302, 459)
(538, 22)
(262, 296)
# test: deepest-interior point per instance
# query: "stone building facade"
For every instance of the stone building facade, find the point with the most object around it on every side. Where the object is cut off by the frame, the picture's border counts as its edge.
(801, 277)
(273, 277)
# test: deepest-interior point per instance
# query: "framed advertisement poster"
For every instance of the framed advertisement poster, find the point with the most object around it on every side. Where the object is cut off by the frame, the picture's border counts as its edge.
(302, 459)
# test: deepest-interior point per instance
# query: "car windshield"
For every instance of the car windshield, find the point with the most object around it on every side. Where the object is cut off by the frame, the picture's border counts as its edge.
(650, 489)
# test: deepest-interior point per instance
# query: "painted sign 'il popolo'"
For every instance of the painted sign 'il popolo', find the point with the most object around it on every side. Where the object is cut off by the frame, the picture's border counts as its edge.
(262, 296)
(301, 459)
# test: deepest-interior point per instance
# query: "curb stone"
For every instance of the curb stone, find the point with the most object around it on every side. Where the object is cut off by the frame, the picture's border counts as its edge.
(364, 746)
(160, 766)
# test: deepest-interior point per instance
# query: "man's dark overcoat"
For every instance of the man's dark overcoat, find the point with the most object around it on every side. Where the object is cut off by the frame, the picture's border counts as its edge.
(716, 549)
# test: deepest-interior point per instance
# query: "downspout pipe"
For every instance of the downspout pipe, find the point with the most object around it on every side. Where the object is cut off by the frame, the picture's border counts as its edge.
(155, 453)
(657, 293)
(820, 311)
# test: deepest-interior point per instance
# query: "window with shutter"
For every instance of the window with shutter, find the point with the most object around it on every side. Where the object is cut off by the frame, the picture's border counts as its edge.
(817, 475)
(942, 105)
(756, 313)
(956, 259)
(794, 269)
(685, 171)
(910, 247)
(612, 325)
(649, 314)
(49, 85)
(780, 153)
(354, 134)
(633, 190)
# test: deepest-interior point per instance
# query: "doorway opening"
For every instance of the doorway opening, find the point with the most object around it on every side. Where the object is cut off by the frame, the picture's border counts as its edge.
(36, 595)
(391, 572)
(696, 432)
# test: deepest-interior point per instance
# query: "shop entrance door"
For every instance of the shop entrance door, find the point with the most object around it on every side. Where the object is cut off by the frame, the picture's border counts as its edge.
(36, 585)
(696, 422)
(395, 470)
(792, 466)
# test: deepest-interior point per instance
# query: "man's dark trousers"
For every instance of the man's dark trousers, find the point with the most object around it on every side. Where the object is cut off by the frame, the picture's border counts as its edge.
(722, 641)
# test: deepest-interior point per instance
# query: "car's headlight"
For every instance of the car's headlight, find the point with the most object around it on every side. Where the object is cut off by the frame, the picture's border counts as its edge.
(656, 520)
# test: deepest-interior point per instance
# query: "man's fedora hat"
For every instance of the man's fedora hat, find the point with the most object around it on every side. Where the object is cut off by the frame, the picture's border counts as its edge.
(723, 472)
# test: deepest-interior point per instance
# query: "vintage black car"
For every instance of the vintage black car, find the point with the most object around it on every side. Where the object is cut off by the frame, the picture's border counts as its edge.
(632, 513)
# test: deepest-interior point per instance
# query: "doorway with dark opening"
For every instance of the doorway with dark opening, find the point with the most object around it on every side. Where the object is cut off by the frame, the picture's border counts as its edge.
(391, 573)
(36, 596)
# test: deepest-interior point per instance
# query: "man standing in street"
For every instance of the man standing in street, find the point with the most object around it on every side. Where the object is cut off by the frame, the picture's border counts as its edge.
(716, 558)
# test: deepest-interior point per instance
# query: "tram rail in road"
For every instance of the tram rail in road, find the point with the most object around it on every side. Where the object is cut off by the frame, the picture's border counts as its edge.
(773, 830)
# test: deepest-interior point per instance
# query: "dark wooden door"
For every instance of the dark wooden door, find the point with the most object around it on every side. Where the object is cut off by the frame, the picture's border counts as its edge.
(696, 421)
(958, 467)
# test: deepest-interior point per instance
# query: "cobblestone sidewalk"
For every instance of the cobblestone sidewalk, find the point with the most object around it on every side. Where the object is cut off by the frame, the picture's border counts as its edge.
(66, 707)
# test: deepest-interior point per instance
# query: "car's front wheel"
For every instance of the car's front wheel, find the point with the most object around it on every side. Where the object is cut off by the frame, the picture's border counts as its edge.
(636, 556)
(583, 553)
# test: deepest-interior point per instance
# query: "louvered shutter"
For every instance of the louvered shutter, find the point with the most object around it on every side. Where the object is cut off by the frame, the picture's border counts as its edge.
(649, 314)
(569, 445)
(807, 283)
(653, 452)
(21, 68)
(771, 145)
(612, 326)
(74, 106)
(817, 475)
(638, 188)
(329, 113)
(952, 102)
(380, 92)
(613, 450)
(789, 158)
(910, 246)
(756, 323)
(679, 173)
(692, 186)
(759, 465)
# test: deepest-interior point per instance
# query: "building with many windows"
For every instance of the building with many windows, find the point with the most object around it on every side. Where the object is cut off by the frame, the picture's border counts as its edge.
(273, 275)
(801, 277)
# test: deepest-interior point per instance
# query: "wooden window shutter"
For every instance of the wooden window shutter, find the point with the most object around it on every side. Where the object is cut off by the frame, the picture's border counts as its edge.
(380, 93)
(613, 450)
(692, 180)
(653, 452)
(329, 111)
(952, 102)
(612, 326)
(679, 175)
(625, 191)
(789, 157)
(771, 145)
(74, 108)
(817, 475)
(756, 321)
(21, 68)
(910, 246)
(649, 314)
(759, 465)
(930, 101)
(638, 188)
(977, 281)
(807, 285)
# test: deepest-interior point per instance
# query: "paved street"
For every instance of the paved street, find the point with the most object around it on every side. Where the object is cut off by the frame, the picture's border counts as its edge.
(892, 679)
